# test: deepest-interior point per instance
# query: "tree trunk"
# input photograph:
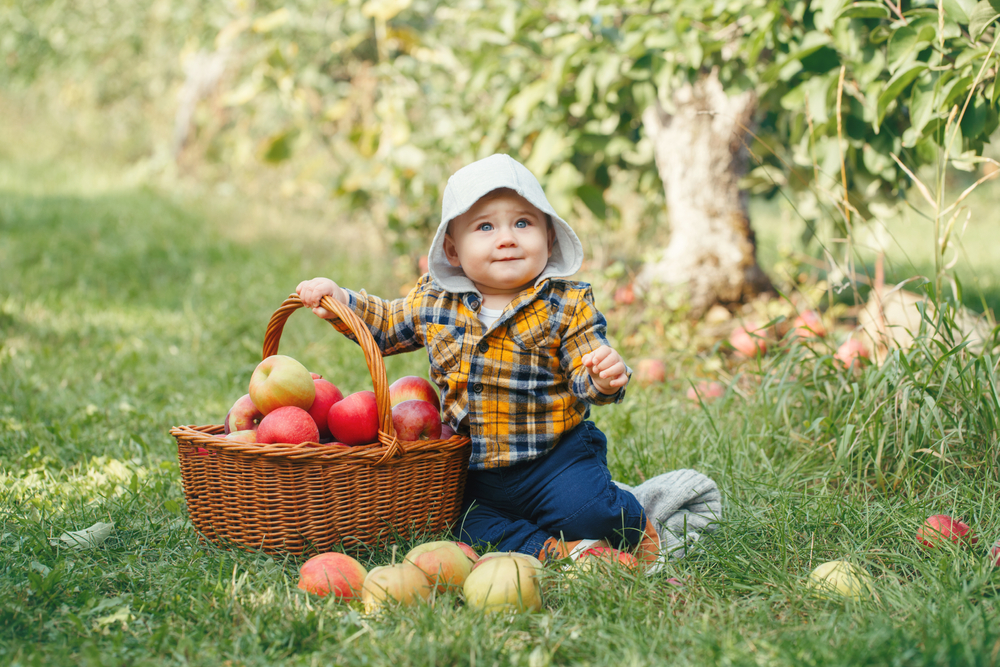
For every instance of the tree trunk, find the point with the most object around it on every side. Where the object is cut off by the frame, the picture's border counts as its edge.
(701, 156)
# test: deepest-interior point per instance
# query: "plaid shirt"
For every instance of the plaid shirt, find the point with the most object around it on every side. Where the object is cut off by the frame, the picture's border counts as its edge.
(517, 386)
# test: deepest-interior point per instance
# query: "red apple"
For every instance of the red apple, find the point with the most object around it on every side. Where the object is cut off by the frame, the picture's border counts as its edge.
(287, 424)
(609, 555)
(444, 563)
(940, 527)
(280, 381)
(625, 295)
(315, 376)
(353, 420)
(416, 420)
(326, 395)
(469, 552)
(748, 341)
(332, 572)
(243, 416)
(995, 554)
(852, 352)
(446, 431)
(413, 387)
(809, 325)
(706, 391)
(650, 371)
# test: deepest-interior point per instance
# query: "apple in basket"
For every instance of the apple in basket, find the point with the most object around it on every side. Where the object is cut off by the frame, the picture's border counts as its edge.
(249, 436)
(446, 431)
(243, 416)
(410, 387)
(353, 420)
(332, 572)
(280, 381)
(287, 424)
(416, 420)
(326, 395)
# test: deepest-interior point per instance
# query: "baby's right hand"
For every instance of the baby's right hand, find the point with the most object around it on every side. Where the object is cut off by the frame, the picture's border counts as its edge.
(311, 291)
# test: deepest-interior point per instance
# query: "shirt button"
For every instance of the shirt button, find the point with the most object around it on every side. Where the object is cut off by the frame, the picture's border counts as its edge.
(478, 387)
(483, 347)
(474, 304)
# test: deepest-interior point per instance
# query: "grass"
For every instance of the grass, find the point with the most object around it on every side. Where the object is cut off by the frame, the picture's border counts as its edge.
(127, 309)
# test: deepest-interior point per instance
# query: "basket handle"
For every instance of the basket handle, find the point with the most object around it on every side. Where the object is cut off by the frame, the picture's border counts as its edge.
(373, 358)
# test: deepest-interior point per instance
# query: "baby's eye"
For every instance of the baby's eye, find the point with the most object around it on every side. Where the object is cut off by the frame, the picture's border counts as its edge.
(521, 224)
(486, 227)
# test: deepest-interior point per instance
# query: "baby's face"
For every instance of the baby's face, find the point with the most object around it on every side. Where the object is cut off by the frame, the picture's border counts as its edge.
(502, 243)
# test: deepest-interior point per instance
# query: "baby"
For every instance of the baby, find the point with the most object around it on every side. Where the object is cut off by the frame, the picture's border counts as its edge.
(520, 354)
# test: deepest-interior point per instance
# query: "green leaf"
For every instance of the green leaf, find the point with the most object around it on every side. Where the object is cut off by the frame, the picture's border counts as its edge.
(959, 11)
(894, 87)
(985, 13)
(906, 42)
(864, 10)
(593, 197)
(279, 147)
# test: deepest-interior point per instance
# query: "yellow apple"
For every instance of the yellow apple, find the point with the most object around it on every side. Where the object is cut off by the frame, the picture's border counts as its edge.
(503, 583)
(841, 578)
(405, 583)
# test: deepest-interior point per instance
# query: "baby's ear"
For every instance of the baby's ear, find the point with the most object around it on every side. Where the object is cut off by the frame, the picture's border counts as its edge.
(451, 252)
(552, 232)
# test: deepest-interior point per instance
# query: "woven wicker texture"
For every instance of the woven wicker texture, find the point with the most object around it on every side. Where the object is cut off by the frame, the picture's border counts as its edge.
(307, 498)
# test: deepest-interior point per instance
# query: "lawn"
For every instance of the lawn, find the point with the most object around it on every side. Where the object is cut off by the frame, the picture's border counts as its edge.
(128, 308)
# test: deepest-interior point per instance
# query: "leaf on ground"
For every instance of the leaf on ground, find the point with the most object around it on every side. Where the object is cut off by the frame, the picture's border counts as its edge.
(88, 538)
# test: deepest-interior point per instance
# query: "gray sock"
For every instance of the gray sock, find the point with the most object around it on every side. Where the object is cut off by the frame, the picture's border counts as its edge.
(684, 505)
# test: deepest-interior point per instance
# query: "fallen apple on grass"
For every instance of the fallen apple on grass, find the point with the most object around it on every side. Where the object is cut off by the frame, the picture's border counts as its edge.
(411, 387)
(852, 352)
(938, 528)
(287, 424)
(403, 583)
(808, 325)
(444, 563)
(747, 341)
(537, 564)
(353, 420)
(416, 420)
(598, 557)
(995, 554)
(243, 416)
(281, 381)
(503, 583)
(838, 577)
(650, 371)
(333, 572)
(705, 391)
(469, 552)
(326, 395)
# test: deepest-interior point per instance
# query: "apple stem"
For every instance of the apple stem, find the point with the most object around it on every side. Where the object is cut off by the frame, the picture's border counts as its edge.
(394, 554)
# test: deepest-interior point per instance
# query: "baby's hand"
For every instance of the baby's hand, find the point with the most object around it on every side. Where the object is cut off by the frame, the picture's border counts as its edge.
(311, 291)
(607, 369)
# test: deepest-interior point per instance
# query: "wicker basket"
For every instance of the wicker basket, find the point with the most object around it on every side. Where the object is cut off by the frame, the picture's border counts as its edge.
(302, 499)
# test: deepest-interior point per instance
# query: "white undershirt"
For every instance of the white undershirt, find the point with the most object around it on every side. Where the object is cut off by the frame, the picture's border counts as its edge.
(488, 316)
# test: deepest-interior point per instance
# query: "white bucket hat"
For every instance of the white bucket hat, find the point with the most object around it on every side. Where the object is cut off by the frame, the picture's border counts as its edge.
(472, 182)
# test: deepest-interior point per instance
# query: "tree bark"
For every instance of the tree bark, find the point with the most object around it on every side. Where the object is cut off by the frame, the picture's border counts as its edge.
(701, 155)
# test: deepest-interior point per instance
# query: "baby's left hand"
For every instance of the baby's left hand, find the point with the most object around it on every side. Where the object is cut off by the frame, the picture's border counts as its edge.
(607, 369)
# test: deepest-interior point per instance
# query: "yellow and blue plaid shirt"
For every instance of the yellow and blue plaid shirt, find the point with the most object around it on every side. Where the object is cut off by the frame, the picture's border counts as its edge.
(519, 385)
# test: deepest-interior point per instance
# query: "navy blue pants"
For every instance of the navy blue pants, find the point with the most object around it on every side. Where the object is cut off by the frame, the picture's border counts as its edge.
(567, 494)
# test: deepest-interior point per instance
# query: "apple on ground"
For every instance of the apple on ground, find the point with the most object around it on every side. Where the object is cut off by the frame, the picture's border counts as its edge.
(411, 387)
(280, 381)
(503, 583)
(353, 420)
(840, 578)
(315, 376)
(852, 351)
(748, 341)
(625, 295)
(326, 395)
(537, 564)
(287, 424)
(332, 572)
(808, 325)
(243, 416)
(248, 435)
(444, 563)
(940, 527)
(995, 554)
(610, 555)
(469, 552)
(416, 420)
(650, 371)
(706, 391)
(403, 582)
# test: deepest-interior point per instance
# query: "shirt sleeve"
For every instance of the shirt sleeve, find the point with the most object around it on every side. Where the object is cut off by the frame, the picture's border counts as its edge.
(586, 331)
(391, 323)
